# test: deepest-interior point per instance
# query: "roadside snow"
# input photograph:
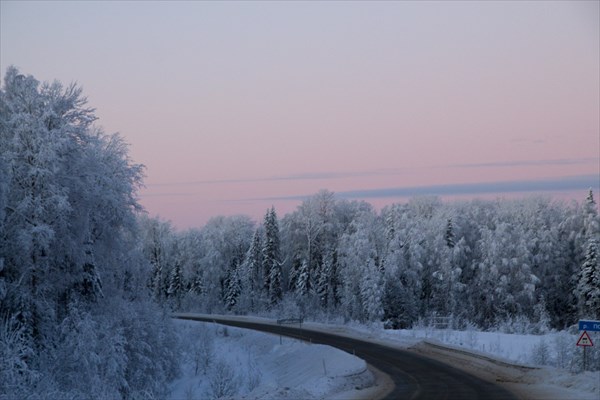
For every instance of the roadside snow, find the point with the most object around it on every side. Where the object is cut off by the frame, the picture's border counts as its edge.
(534, 366)
(245, 364)
(299, 370)
(526, 364)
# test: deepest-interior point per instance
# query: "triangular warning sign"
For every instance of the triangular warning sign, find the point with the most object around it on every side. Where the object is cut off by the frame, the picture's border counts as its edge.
(584, 340)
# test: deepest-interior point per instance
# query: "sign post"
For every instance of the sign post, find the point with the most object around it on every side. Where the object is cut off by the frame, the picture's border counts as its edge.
(585, 341)
(289, 321)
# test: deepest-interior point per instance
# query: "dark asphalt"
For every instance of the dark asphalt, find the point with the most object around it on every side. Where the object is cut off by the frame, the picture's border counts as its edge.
(414, 376)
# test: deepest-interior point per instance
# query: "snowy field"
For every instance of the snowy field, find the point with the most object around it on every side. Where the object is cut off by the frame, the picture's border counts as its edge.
(226, 362)
(262, 368)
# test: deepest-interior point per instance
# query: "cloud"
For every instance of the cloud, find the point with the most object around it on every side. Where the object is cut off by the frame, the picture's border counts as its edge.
(308, 176)
(581, 182)
(543, 185)
(562, 184)
(199, 183)
(329, 175)
(311, 176)
(168, 194)
(528, 163)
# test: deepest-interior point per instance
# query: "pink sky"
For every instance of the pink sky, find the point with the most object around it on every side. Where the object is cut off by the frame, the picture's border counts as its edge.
(237, 106)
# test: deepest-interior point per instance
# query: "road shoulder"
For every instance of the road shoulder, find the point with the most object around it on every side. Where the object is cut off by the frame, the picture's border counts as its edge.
(526, 382)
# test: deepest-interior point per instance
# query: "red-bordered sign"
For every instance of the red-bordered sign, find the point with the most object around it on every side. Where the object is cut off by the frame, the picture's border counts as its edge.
(585, 340)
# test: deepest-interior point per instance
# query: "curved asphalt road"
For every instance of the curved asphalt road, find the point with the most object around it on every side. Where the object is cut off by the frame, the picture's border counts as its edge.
(414, 376)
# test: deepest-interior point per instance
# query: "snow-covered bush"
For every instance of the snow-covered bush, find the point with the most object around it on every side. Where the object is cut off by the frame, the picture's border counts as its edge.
(540, 354)
(253, 375)
(202, 352)
(563, 349)
(223, 380)
(471, 340)
(151, 350)
(15, 374)
(521, 325)
(289, 307)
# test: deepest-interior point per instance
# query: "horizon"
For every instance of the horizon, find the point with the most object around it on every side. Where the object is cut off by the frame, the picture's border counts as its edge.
(286, 206)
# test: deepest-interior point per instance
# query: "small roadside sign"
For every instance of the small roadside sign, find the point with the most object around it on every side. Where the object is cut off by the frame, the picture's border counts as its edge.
(592, 326)
(585, 340)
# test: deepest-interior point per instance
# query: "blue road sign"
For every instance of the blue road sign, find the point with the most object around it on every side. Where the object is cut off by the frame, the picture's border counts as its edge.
(593, 326)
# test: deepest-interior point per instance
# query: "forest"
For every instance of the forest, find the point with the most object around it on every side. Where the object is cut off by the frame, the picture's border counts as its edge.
(529, 264)
(88, 280)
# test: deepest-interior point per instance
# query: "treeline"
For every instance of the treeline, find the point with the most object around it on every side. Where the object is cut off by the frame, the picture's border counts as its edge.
(529, 264)
(76, 318)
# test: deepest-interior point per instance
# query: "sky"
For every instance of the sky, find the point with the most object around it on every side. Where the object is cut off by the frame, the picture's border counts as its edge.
(237, 106)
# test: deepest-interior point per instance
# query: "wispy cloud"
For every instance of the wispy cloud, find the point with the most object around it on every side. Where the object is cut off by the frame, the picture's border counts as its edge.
(529, 163)
(330, 175)
(542, 185)
(168, 194)
(200, 182)
(581, 182)
(313, 176)
(528, 140)
(308, 176)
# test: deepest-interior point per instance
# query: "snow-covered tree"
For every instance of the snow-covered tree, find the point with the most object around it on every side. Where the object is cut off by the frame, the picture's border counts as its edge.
(449, 234)
(157, 246)
(271, 257)
(301, 280)
(371, 293)
(588, 287)
(541, 317)
(326, 285)
(253, 264)
(402, 273)
(361, 284)
(275, 285)
(233, 286)
(224, 241)
(68, 253)
(176, 286)
(591, 219)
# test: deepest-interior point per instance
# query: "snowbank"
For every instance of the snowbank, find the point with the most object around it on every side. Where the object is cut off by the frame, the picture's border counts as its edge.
(299, 370)
(265, 366)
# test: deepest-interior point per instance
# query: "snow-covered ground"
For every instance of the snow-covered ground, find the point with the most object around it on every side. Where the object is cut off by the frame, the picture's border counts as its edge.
(552, 361)
(226, 362)
(298, 370)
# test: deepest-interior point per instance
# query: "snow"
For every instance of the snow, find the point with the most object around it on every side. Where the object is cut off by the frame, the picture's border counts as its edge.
(314, 371)
(501, 354)
(269, 367)
(507, 358)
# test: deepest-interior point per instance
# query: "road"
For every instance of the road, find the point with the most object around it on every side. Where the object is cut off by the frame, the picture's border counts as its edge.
(414, 376)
